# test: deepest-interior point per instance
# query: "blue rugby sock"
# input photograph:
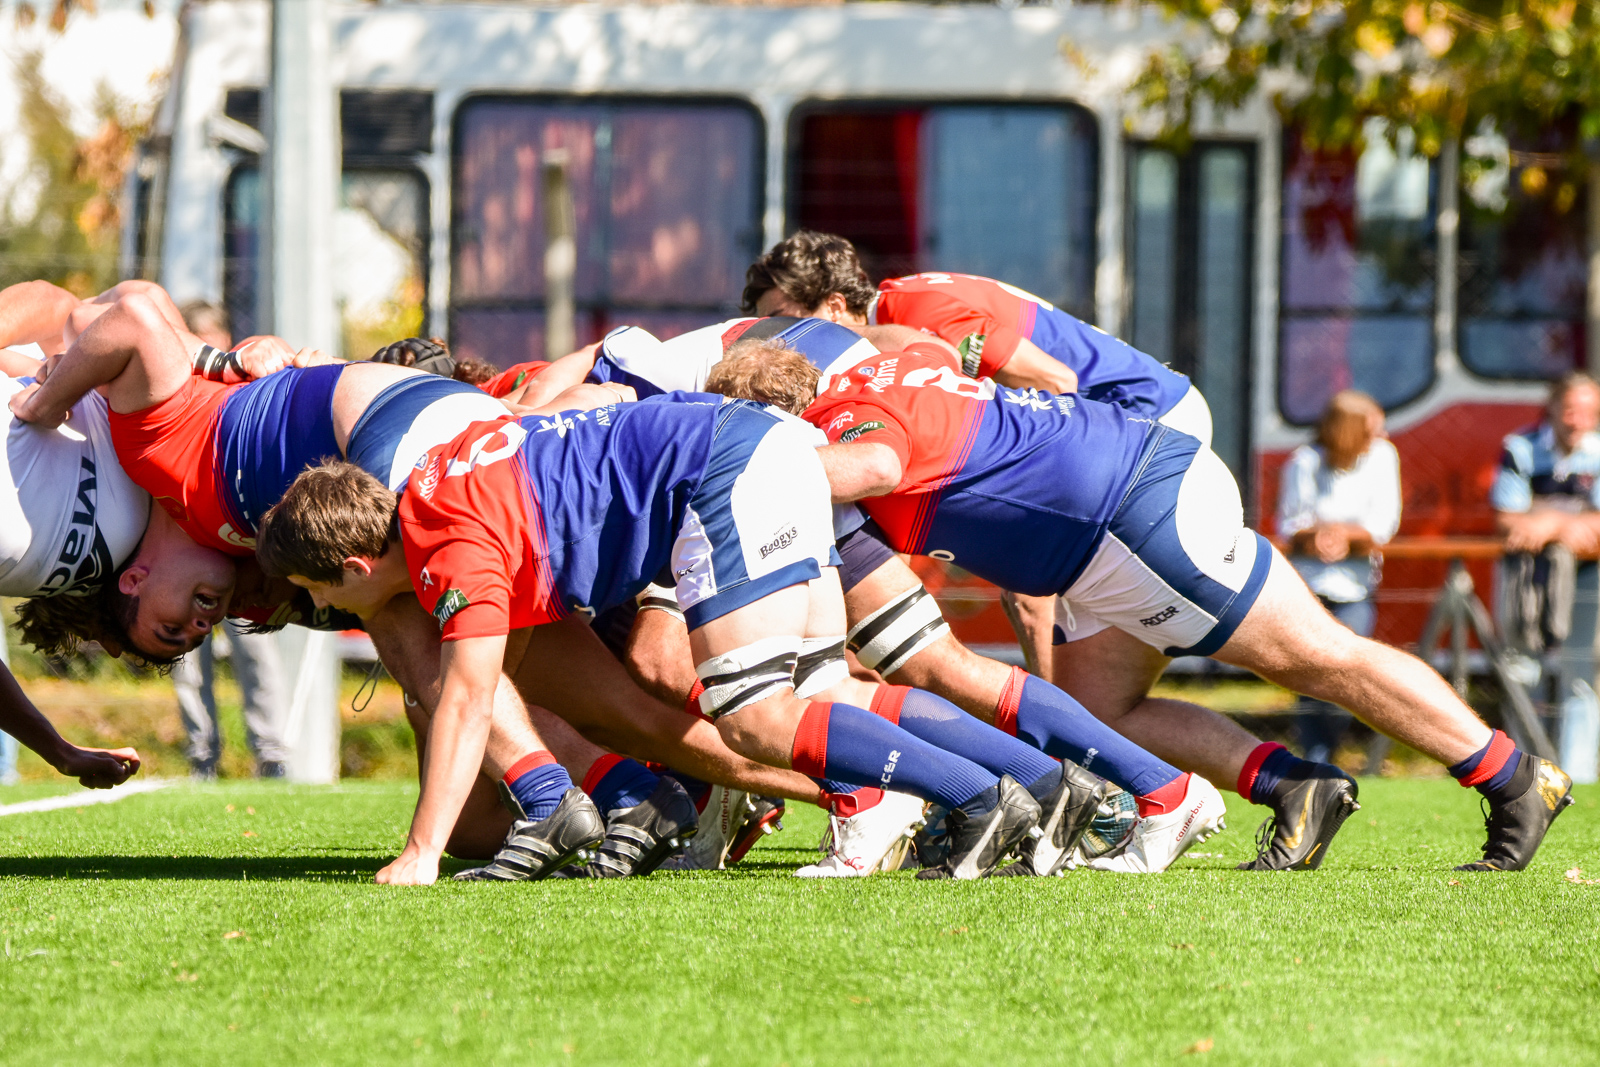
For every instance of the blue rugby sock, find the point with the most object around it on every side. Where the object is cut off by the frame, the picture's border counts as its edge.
(1043, 716)
(618, 782)
(850, 744)
(538, 782)
(942, 724)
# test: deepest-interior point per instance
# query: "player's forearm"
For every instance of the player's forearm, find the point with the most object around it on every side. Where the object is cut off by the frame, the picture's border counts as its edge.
(457, 738)
(860, 469)
(1031, 367)
(34, 313)
(23, 721)
(566, 372)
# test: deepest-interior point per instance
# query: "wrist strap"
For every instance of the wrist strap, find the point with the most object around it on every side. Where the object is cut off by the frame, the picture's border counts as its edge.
(214, 365)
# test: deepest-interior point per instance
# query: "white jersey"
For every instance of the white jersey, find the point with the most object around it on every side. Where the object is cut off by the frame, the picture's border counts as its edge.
(69, 516)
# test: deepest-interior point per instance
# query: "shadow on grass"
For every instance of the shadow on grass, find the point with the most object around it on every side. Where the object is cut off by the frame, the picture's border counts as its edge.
(202, 868)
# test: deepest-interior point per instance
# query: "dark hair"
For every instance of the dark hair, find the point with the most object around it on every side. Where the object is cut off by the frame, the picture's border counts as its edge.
(808, 267)
(330, 512)
(64, 623)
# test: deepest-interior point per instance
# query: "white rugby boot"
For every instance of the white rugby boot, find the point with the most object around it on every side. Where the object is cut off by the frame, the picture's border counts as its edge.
(1158, 840)
(724, 813)
(869, 841)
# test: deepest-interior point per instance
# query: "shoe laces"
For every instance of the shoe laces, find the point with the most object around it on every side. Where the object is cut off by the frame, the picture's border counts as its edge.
(1264, 836)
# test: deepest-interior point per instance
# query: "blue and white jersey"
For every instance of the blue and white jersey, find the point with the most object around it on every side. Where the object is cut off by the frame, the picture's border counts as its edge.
(1533, 472)
(631, 356)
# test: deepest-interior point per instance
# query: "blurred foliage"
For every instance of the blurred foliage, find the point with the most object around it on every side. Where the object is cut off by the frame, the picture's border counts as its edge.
(63, 219)
(26, 12)
(1438, 69)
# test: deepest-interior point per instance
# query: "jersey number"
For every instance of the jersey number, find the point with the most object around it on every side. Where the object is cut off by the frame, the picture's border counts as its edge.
(481, 455)
(951, 382)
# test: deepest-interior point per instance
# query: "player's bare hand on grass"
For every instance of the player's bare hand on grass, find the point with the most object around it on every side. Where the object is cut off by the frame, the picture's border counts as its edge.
(412, 868)
(99, 768)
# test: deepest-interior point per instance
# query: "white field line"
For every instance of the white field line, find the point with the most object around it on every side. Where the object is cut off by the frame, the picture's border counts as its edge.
(85, 798)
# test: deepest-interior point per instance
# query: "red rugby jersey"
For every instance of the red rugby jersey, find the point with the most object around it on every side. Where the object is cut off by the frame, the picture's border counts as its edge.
(169, 450)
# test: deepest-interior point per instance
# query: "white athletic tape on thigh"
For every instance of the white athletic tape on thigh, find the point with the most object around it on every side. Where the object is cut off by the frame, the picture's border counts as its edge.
(886, 639)
(661, 598)
(739, 678)
(821, 664)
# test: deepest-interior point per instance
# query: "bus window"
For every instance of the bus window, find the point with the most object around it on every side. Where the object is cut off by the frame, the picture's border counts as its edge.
(1523, 275)
(379, 255)
(241, 247)
(1189, 246)
(1006, 190)
(1357, 291)
(668, 215)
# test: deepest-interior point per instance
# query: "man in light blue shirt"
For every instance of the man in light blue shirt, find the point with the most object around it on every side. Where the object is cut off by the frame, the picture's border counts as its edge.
(1548, 488)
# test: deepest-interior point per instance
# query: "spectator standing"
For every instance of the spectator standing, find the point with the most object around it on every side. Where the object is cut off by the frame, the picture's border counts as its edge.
(255, 658)
(1338, 503)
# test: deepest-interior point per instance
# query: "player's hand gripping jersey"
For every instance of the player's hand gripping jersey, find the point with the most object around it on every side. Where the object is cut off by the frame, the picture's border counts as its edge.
(516, 523)
(985, 319)
(1016, 487)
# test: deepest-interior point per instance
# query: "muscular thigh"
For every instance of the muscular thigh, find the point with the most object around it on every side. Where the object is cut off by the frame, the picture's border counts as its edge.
(1109, 673)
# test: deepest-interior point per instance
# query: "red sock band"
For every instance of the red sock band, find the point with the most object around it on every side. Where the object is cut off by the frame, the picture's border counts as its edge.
(537, 758)
(845, 805)
(1167, 798)
(1005, 712)
(1258, 755)
(1500, 749)
(887, 700)
(692, 705)
(810, 755)
(599, 769)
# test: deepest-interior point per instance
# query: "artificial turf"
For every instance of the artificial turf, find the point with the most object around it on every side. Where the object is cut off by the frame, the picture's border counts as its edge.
(238, 924)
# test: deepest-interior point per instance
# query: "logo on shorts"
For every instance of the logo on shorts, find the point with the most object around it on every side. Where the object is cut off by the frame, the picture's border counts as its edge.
(1232, 550)
(779, 543)
(855, 432)
(451, 602)
(888, 768)
(1160, 617)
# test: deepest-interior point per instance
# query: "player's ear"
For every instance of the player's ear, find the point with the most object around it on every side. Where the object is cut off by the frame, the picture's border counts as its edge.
(358, 566)
(132, 577)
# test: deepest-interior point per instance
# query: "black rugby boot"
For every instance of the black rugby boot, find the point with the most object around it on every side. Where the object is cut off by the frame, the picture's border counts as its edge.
(1307, 810)
(1067, 811)
(1517, 822)
(641, 838)
(979, 842)
(535, 850)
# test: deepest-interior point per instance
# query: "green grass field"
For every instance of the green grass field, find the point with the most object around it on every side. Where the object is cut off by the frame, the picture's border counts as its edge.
(238, 924)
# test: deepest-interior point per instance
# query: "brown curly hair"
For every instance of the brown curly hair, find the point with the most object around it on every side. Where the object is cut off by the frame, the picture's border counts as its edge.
(809, 267)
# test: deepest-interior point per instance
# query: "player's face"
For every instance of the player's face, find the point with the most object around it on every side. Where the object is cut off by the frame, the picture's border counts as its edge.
(358, 593)
(777, 302)
(183, 593)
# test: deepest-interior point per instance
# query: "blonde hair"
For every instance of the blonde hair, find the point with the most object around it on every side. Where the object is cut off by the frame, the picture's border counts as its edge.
(767, 371)
(1349, 424)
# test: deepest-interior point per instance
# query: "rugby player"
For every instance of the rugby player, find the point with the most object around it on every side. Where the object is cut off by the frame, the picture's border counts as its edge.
(999, 331)
(218, 456)
(518, 524)
(1139, 530)
(69, 519)
(897, 630)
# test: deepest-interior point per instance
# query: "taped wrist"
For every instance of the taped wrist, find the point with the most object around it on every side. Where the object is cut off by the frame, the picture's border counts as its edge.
(820, 665)
(661, 598)
(216, 366)
(739, 678)
(885, 640)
